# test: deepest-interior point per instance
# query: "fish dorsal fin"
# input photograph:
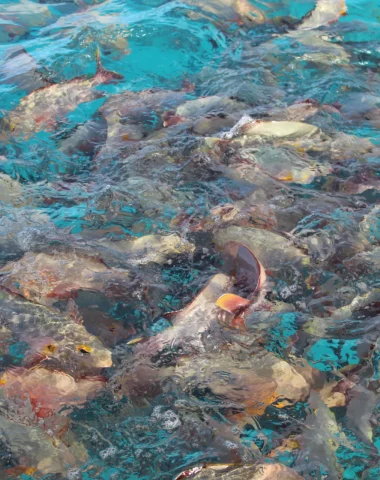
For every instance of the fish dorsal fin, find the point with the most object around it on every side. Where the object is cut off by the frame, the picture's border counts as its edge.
(103, 75)
(187, 86)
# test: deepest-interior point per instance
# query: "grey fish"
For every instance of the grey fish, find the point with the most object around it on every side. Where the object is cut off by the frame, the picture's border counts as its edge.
(127, 112)
(30, 446)
(138, 375)
(20, 69)
(325, 13)
(52, 337)
(274, 471)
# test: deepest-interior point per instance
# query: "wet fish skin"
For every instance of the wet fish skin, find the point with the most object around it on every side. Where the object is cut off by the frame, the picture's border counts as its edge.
(271, 249)
(30, 445)
(325, 13)
(20, 69)
(126, 113)
(275, 471)
(44, 108)
(138, 375)
(52, 337)
(45, 278)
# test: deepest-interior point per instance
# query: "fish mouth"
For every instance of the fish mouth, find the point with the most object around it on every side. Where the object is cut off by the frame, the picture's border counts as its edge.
(103, 360)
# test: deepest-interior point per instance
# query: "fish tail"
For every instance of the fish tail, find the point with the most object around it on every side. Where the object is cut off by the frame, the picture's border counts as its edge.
(103, 75)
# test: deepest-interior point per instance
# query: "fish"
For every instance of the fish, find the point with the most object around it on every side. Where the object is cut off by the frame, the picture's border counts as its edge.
(87, 139)
(276, 130)
(27, 14)
(324, 14)
(301, 111)
(244, 387)
(21, 69)
(44, 397)
(286, 164)
(52, 338)
(46, 278)
(130, 114)
(138, 376)
(319, 440)
(271, 249)
(241, 12)
(253, 210)
(45, 108)
(30, 445)
(150, 248)
(10, 190)
(361, 404)
(264, 471)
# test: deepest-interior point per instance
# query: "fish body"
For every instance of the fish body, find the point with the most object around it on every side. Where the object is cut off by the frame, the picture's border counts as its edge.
(138, 376)
(27, 14)
(273, 471)
(131, 115)
(245, 385)
(20, 69)
(45, 108)
(31, 446)
(39, 394)
(45, 278)
(242, 12)
(10, 190)
(51, 337)
(325, 13)
(277, 130)
(271, 249)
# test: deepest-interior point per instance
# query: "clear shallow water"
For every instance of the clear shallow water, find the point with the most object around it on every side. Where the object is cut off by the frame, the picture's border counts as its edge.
(119, 197)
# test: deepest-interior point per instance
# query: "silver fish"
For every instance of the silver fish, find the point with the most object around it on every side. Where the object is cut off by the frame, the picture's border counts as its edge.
(274, 471)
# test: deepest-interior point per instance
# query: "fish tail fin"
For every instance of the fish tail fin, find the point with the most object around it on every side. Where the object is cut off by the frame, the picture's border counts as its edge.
(187, 86)
(103, 75)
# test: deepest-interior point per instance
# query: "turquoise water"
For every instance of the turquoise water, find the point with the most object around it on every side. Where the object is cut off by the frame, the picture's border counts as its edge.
(137, 141)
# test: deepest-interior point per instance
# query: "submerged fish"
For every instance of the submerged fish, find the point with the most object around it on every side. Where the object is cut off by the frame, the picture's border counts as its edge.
(275, 130)
(26, 14)
(138, 375)
(32, 447)
(47, 278)
(244, 386)
(149, 248)
(10, 190)
(240, 11)
(267, 471)
(271, 249)
(131, 115)
(325, 13)
(40, 394)
(21, 69)
(45, 108)
(50, 337)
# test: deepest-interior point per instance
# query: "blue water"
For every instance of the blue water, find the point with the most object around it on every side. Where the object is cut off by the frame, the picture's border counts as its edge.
(147, 156)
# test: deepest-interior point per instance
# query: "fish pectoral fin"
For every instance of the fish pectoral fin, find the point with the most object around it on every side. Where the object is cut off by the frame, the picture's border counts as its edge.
(232, 303)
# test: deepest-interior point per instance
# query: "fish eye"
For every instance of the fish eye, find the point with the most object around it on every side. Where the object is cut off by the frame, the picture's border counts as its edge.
(50, 348)
(85, 349)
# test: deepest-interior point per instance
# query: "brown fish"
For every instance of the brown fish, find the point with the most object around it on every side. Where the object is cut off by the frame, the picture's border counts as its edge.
(46, 107)
(44, 278)
(52, 338)
(43, 396)
(127, 112)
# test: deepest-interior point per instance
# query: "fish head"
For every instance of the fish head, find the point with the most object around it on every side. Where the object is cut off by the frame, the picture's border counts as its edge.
(80, 354)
